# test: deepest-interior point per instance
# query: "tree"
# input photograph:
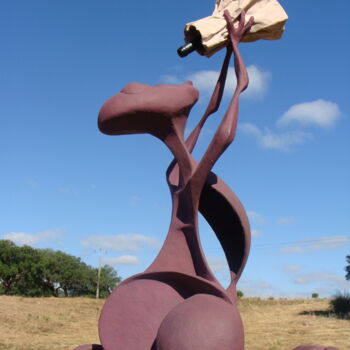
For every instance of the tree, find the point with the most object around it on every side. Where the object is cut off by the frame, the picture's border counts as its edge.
(19, 267)
(50, 271)
(9, 265)
(30, 284)
(68, 273)
(314, 295)
(347, 269)
(108, 280)
(43, 272)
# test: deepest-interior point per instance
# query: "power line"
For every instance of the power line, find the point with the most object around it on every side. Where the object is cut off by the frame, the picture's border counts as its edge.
(331, 240)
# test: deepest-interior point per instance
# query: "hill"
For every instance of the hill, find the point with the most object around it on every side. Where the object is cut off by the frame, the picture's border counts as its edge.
(63, 323)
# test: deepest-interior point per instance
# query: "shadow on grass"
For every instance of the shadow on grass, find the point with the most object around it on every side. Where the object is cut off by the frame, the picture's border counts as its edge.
(326, 313)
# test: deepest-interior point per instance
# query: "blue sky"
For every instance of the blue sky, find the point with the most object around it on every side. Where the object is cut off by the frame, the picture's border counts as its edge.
(65, 186)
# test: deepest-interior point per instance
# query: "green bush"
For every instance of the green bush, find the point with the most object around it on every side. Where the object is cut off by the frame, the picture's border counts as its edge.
(240, 294)
(314, 295)
(340, 304)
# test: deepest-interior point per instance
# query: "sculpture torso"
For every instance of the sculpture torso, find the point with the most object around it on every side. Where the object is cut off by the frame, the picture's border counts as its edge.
(146, 308)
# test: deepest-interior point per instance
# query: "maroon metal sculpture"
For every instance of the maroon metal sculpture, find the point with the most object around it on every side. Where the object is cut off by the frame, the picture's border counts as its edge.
(177, 303)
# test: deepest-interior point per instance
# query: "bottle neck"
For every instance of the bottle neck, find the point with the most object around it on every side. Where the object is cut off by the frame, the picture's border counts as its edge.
(193, 45)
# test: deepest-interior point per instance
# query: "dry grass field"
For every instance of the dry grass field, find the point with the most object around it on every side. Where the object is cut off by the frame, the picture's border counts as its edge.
(62, 324)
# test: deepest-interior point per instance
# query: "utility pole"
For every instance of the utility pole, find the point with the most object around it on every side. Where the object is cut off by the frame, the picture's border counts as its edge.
(100, 253)
(98, 278)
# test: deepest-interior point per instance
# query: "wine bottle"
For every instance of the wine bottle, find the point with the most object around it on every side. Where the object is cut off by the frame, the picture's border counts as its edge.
(194, 45)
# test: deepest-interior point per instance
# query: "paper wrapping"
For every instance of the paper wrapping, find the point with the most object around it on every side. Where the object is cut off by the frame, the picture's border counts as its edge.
(269, 20)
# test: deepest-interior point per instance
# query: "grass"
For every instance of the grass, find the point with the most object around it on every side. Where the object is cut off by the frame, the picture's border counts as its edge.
(285, 324)
(62, 324)
(47, 323)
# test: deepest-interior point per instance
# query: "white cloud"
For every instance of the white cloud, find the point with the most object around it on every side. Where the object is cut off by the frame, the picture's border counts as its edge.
(320, 113)
(32, 239)
(283, 141)
(258, 82)
(256, 217)
(122, 260)
(250, 129)
(205, 81)
(294, 249)
(317, 244)
(256, 233)
(123, 242)
(325, 282)
(134, 200)
(170, 79)
(268, 139)
(68, 191)
(286, 220)
(258, 288)
(217, 264)
(292, 268)
(317, 277)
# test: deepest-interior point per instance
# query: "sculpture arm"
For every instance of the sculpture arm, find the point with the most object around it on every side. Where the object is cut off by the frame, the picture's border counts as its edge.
(172, 173)
(227, 128)
(214, 102)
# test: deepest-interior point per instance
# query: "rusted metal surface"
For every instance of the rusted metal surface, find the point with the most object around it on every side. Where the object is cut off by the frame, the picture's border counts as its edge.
(177, 303)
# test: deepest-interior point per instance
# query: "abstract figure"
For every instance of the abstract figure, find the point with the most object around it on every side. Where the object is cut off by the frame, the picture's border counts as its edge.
(177, 303)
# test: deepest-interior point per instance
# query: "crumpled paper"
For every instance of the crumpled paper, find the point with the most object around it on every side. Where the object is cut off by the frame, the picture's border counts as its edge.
(269, 20)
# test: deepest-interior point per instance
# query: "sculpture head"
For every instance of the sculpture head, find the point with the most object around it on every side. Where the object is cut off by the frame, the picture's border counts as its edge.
(140, 108)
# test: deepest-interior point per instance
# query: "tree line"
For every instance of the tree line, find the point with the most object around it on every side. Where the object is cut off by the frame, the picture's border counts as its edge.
(34, 272)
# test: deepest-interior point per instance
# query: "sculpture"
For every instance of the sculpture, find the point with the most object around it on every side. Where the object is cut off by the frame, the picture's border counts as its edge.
(177, 303)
